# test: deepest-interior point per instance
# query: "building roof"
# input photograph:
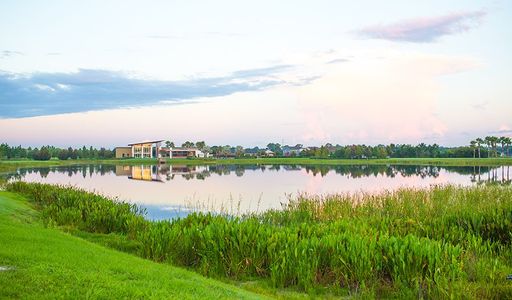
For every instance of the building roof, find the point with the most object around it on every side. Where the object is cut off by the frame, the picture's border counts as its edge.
(179, 149)
(292, 148)
(123, 147)
(146, 142)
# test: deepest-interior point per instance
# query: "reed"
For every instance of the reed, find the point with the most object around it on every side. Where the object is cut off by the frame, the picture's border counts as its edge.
(71, 206)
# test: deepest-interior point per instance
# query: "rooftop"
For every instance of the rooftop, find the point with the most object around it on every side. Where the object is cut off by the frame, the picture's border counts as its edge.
(146, 142)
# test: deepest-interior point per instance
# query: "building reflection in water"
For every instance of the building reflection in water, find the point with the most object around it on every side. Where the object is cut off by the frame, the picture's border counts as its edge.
(160, 173)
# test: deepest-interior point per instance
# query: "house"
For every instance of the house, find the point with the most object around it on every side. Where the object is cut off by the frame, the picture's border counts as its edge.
(181, 152)
(268, 153)
(258, 152)
(146, 149)
(292, 150)
(154, 149)
(252, 151)
(123, 152)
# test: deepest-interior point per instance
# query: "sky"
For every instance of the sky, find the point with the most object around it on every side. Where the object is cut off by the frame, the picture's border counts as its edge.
(108, 73)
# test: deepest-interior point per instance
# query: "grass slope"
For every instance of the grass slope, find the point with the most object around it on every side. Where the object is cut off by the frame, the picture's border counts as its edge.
(47, 263)
(441, 242)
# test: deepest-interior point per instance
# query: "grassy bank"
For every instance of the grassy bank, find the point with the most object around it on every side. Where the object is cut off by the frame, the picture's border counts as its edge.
(45, 263)
(438, 243)
(12, 165)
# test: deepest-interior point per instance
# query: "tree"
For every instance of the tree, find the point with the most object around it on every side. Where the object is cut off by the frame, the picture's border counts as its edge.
(494, 142)
(169, 144)
(488, 142)
(473, 146)
(508, 142)
(479, 143)
(239, 151)
(63, 154)
(322, 152)
(503, 141)
(43, 154)
(276, 148)
(201, 145)
(188, 144)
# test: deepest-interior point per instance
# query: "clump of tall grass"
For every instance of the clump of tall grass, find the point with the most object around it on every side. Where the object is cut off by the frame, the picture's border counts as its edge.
(71, 206)
(434, 243)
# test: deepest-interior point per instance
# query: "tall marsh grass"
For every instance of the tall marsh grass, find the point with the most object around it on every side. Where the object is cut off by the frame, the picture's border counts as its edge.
(70, 206)
(442, 242)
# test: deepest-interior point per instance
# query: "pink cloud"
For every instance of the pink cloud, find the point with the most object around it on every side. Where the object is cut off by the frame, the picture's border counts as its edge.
(427, 29)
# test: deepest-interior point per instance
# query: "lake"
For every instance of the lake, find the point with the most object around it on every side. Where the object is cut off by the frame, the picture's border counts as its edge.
(168, 191)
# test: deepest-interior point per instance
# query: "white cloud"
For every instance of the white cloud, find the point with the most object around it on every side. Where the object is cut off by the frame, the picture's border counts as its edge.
(44, 87)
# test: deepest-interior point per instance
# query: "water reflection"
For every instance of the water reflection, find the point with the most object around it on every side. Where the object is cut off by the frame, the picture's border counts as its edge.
(169, 191)
(162, 173)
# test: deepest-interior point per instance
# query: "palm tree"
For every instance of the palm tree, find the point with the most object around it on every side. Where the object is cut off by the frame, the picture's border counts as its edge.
(502, 140)
(507, 141)
(495, 141)
(488, 142)
(479, 143)
(473, 146)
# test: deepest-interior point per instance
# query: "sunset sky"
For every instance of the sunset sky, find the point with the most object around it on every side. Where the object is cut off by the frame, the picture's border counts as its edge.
(107, 73)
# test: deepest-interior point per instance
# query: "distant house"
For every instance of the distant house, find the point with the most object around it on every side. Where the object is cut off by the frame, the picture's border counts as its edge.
(181, 152)
(258, 152)
(123, 152)
(292, 150)
(154, 149)
(268, 153)
(146, 149)
(252, 151)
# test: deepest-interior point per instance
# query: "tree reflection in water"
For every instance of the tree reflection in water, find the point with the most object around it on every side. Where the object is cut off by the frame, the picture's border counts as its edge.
(166, 172)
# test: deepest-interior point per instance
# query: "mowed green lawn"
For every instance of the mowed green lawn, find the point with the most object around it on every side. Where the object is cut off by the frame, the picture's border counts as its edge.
(48, 263)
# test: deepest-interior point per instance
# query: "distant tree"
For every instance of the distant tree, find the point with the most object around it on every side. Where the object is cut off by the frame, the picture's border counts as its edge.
(215, 150)
(226, 150)
(239, 151)
(508, 143)
(201, 145)
(494, 143)
(187, 144)
(4, 148)
(206, 149)
(502, 140)
(473, 146)
(488, 142)
(276, 148)
(169, 144)
(63, 154)
(43, 154)
(479, 143)
(322, 152)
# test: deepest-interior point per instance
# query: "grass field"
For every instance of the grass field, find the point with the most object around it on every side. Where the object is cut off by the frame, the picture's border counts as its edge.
(443, 242)
(46, 263)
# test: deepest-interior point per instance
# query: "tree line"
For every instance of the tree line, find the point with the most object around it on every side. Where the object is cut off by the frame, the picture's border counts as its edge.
(486, 147)
(491, 145)
(48, 152)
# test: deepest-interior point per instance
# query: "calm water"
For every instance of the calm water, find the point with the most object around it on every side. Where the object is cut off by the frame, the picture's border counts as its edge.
(169, 191)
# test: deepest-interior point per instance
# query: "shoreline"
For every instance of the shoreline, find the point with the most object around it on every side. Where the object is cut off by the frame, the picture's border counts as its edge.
(13, 164)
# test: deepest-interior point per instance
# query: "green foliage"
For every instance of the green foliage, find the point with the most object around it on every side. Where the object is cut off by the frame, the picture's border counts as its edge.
(86, 211)
(47, 152)
(45, 263)
(43, 154)
(443, 242)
